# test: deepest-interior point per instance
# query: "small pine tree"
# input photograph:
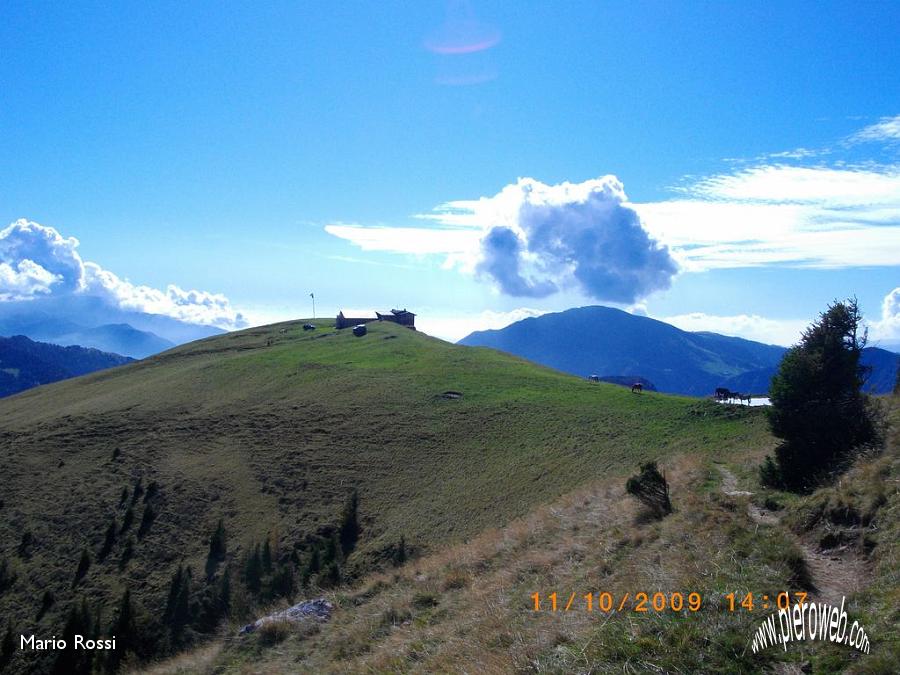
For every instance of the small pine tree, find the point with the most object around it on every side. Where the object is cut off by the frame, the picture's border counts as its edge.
(174, 591)
(181, 613)
(897, 378)
(146, 520)
(47, 601)
(84, 565)
(25, 545)
(349, 527)
(152, 491)
(138, 490)
(331, 576)
(398, 556)
(253, 571)
(8, 646)
(329, 552)
(651, 489)
(109, 540)
(125, 629)
(7, 576)
(267, 558)
(217, 544)
(70, 661)
(225, 593)
(818, 408)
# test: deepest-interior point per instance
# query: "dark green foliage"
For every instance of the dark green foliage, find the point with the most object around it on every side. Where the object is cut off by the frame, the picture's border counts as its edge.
(651, 489)
(84, 564)
(329, 552)
(253, 571)
(8, 645)
(897, 381)
(349, 527)
(26, 544)
(267, 558)
(818, 409)
(769, 474)
(71, 661)
(7, 576)
(152, 491)
(125, 629)
(398, 555)
(146, 520)
(312, 567)
(180, 615)
(109, 540)
(331, 575)
(217, 549)
(47, 601)
(138, 490)
(282, 582)
(127, 520)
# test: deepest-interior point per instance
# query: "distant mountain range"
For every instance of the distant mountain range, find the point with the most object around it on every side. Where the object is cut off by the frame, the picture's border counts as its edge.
(25, 364)
(609, 342)
(90, 322)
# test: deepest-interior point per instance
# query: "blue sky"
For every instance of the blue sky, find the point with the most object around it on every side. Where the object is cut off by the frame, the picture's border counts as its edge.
(210, 145)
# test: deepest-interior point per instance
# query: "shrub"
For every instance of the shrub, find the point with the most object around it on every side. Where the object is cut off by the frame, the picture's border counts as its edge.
(651, 489)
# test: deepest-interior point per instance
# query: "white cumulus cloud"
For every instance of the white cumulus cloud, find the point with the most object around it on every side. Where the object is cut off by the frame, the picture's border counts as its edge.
(532, 239)
(888, 327)
(37, 260)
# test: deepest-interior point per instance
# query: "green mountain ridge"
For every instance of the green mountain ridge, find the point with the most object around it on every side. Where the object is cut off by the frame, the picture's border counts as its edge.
(272, 428)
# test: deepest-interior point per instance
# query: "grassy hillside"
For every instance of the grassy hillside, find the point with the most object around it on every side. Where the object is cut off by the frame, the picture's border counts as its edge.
(271, 429)
(469, 607)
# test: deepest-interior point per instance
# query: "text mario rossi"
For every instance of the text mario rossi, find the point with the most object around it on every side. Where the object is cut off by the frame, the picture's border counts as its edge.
(31, 642)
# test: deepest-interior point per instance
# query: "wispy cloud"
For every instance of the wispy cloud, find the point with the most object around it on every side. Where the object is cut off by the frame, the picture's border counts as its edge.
(532, 238)
(887, 129)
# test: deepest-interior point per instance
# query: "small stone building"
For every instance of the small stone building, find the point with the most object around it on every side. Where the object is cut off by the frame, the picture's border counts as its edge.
(352, 317)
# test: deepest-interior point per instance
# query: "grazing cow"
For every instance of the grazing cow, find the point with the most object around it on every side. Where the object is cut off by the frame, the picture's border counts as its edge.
(637, 387)
(744, 397)
(722, 394)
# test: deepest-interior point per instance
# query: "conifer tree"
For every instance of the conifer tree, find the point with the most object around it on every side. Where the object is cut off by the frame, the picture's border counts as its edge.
(818, 408)
(109, 540)
(349, 528)
(84, 565)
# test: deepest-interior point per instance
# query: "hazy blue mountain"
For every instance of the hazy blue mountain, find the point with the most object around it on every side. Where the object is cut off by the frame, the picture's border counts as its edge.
(880, 381)
(90, 322)
(118, 338)
(25, 363)
(608, 342)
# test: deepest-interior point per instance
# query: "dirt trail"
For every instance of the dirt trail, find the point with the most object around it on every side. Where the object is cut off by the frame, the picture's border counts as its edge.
(835, 573)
